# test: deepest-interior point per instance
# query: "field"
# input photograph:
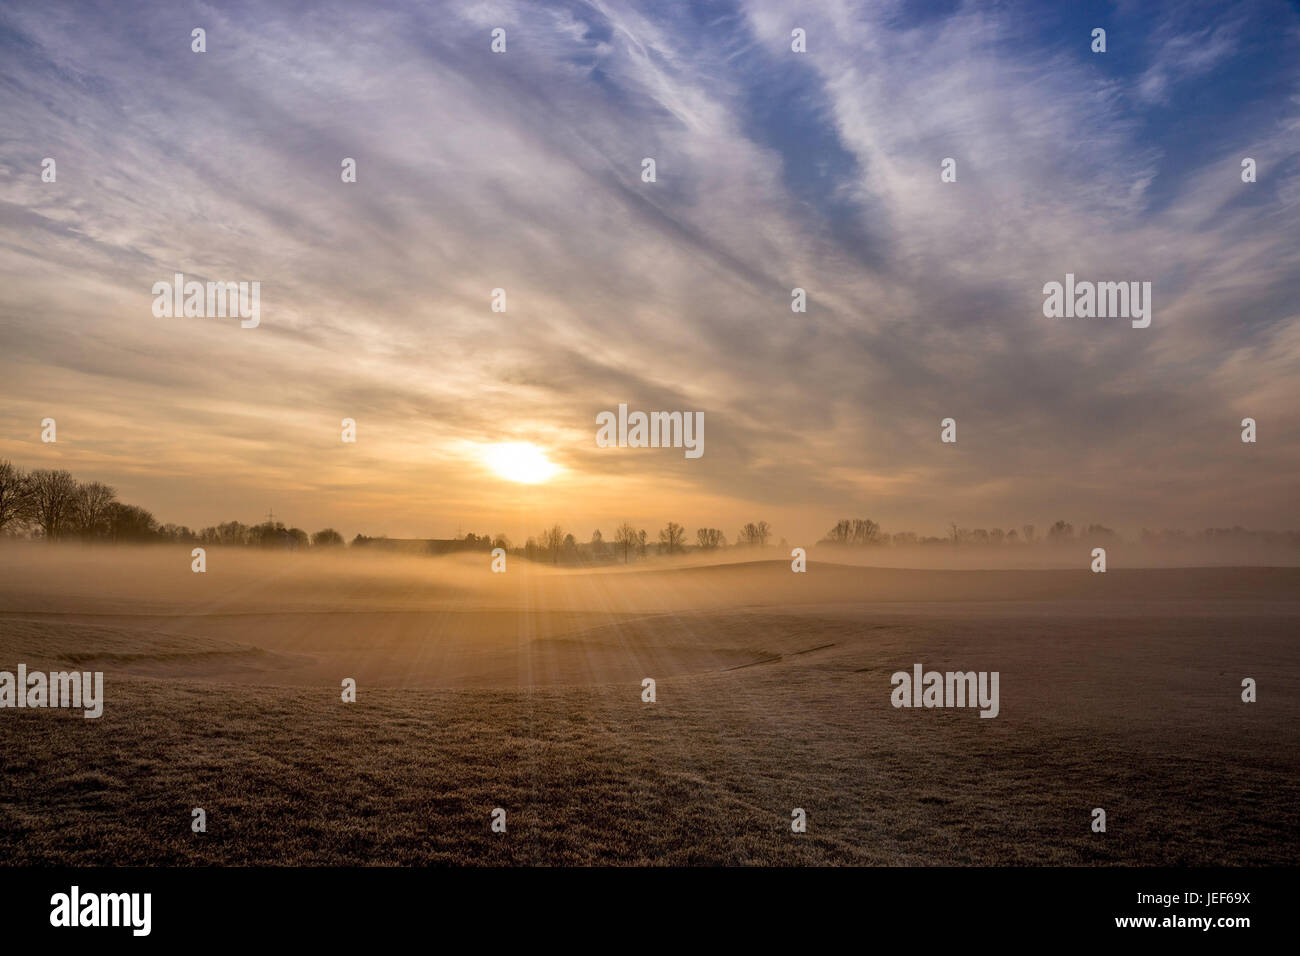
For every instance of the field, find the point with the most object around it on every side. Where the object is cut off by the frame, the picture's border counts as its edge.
(523, 691)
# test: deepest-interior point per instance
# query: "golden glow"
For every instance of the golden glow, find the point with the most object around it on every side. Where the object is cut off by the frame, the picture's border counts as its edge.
(520, 461)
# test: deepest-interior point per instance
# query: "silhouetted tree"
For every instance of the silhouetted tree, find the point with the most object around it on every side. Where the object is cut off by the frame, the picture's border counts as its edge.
(15, 495)
(327, 538)
(710, 539)
(858, 531)
(1097, 532)
(89, 516)
(671, 538)
(552, 541)
(53, 497)
(130, 523)
(625, 538)
(1060, 532)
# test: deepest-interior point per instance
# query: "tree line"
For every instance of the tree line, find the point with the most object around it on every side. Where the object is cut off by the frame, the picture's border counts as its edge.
(865, 533)
(554, 544)
(50, 503)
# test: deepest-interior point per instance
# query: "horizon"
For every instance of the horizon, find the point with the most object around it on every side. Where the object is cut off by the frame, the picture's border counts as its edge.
(1059, 533)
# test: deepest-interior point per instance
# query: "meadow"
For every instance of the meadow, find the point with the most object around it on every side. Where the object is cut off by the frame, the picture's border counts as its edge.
(523, 691)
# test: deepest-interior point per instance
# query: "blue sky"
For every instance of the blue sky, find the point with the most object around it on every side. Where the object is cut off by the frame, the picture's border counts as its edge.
(775, 170)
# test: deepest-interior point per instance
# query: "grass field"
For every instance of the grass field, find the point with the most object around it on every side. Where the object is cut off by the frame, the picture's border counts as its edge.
(523, 691)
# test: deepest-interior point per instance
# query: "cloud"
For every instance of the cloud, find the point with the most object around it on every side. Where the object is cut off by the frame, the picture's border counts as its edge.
(775, 170)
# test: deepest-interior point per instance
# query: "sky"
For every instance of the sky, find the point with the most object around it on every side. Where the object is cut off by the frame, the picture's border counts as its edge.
(774, 170)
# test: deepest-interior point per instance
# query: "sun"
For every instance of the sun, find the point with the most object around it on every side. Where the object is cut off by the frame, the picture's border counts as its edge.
(520, 461)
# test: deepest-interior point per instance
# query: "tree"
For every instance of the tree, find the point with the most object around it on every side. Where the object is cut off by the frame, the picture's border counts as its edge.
(15, 495)
(327, 538)
(710, 539)
(552, 541)
(235, 533)
(53, 495)
(755, 535)
(176, 532)
(858, 532)
(640, 542)
(268, 534)
(130, 523)
(625, 538)
(1028, 532)
(1060, 532)
(671, 538)
(597, 544)
(1097, 532)
(89, 516)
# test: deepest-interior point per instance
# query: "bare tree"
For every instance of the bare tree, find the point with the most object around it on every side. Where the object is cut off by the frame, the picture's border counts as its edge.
(1060, 532)
(671, 538)
(756, 535)
(15, 495)
(90, 508)
(53, 495)
(710, 539)
(625, 538)
(129, 523)
(859, 531)
(552, 541)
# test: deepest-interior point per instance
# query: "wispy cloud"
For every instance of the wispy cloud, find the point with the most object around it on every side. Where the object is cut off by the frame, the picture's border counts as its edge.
(775, 170)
